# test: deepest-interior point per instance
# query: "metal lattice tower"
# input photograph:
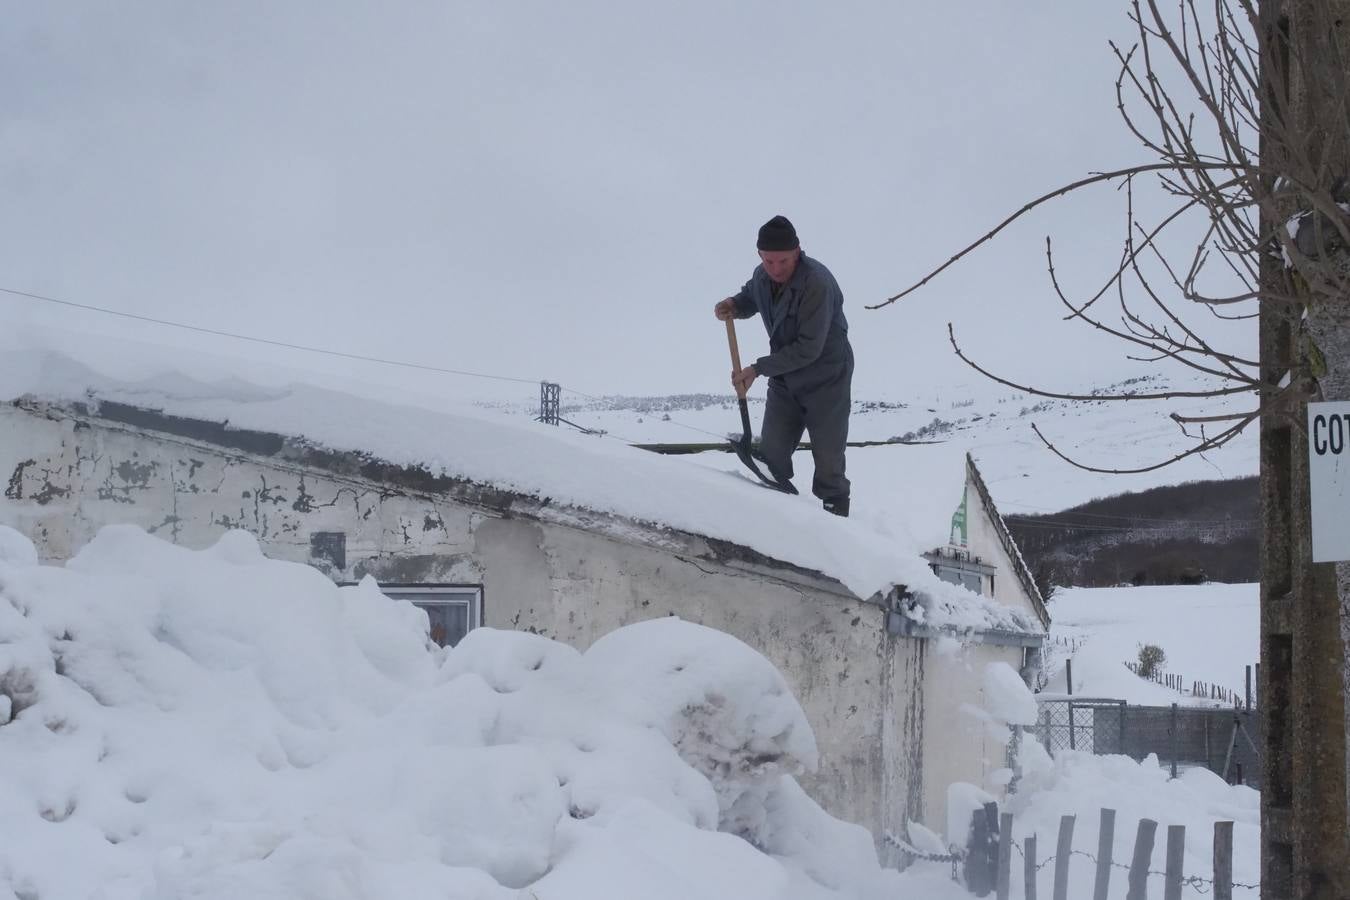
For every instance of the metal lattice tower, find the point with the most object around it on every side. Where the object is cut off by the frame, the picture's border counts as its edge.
(550, 402)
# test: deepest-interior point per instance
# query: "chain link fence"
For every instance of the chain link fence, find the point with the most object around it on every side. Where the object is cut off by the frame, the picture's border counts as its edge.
(1223, 740)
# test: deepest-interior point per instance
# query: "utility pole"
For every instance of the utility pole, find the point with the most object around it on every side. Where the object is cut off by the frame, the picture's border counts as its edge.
(550, 402)
(1305, 607)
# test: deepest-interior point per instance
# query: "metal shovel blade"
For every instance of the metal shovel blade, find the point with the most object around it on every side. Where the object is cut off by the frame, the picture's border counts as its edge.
(742, 448)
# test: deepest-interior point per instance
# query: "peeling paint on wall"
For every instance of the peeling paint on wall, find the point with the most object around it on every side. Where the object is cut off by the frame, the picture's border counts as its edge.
(15, 489)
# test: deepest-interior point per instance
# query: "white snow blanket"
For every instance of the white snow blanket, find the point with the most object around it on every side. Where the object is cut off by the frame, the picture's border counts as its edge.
(1210, 633)
(214, 724)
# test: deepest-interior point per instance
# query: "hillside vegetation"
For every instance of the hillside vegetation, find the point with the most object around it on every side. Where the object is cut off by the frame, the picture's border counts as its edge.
(1179, 534)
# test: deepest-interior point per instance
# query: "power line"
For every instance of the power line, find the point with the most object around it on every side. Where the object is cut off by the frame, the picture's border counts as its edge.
(1158, 520)
(1096, 526)
(169, 323)
(267, 341)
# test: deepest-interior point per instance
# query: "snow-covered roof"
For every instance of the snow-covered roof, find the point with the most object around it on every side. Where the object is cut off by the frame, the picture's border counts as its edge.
(905, 491)
(535, 460)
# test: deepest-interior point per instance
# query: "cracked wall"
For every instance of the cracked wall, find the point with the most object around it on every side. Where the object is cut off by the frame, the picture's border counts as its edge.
(65, 479)
(862, 689)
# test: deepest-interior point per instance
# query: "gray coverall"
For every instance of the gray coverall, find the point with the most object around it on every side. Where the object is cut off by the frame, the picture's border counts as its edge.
(810, 372)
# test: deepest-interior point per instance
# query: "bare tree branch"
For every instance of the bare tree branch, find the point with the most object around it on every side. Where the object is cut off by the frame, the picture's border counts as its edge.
(1208, 444)
(1054, 395)
(1098, 178)
(1282, 206)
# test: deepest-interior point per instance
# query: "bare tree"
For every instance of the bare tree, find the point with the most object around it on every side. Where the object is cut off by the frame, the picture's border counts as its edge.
(1205, 157)
(1241, 107)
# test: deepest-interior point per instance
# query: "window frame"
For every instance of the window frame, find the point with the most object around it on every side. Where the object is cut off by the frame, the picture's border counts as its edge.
(962, 564)
(476, 601)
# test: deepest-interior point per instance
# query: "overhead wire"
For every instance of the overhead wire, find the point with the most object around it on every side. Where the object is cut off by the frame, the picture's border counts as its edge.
(272, 342)
(341, 354)
(325, 351)
(1037, 512)
(1092, 526)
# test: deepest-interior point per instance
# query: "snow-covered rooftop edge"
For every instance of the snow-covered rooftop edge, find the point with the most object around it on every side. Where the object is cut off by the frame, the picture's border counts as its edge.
(564, 468)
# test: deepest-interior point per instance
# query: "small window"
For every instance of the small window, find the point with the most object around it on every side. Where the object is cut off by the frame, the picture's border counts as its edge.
(454, 610)
(971, 581)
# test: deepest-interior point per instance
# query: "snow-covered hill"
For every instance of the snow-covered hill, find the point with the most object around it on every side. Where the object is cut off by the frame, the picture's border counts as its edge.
(991, 422)
(1210, 633)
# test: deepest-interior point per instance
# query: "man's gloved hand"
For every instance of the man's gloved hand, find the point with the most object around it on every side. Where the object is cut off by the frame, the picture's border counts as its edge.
(725, 309)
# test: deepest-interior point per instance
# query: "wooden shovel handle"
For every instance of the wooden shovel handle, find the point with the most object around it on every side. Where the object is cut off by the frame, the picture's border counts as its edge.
(735, 356)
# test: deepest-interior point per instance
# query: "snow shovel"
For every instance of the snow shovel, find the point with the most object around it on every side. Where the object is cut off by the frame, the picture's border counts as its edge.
(742, 445)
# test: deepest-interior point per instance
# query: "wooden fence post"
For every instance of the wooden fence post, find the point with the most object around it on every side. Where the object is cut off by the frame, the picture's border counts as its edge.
(1068, 675)
(1063, 853)
(991, 846)
(977, 855)
(1003, 886)
(1173, 735)
(1176, 859)
(1106, 838)
(1223, 861)
(1029, 867)
(1143, 855)
(1208, 763)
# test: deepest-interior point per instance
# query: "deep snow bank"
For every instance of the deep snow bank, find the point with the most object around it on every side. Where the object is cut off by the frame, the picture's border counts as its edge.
(215, 724)
(1209, 632)
(1081, 784)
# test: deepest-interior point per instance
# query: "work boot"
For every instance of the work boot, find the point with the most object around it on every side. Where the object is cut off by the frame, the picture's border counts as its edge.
(837, 507)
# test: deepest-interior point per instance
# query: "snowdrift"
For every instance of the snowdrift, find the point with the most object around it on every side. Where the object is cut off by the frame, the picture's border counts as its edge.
(215, 724)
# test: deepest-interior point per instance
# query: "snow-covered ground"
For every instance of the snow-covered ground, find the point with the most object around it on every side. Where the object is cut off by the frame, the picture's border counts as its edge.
(215, 724)
(1209, 632)
(1081, 785)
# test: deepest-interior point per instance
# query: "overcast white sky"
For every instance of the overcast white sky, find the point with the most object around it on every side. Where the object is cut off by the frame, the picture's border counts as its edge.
(559, 191)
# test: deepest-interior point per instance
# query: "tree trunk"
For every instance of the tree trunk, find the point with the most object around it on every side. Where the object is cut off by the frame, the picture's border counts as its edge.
(1305, 617)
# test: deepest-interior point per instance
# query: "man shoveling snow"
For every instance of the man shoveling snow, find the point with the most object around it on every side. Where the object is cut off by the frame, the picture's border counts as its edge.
(810, 363)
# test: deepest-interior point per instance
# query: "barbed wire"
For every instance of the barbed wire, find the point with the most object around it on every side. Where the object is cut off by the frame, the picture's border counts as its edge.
(1038, 866)
(955, 857)
(1194, 881)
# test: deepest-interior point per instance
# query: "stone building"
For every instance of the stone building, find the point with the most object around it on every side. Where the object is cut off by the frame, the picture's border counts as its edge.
(440, 509)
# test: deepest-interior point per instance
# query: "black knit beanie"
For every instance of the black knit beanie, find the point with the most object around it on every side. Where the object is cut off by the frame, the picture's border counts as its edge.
(777, 234)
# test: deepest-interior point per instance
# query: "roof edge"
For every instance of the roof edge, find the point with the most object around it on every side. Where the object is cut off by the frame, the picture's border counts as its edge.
(1020, 569)
(279, 449)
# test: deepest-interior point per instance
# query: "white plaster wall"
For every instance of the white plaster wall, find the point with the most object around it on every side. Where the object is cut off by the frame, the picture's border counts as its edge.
(984, 543)
(861, 688)
(856, 683)
(957, 745)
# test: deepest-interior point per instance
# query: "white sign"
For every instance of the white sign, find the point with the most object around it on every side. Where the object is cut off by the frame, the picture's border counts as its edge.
(1329, 472)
